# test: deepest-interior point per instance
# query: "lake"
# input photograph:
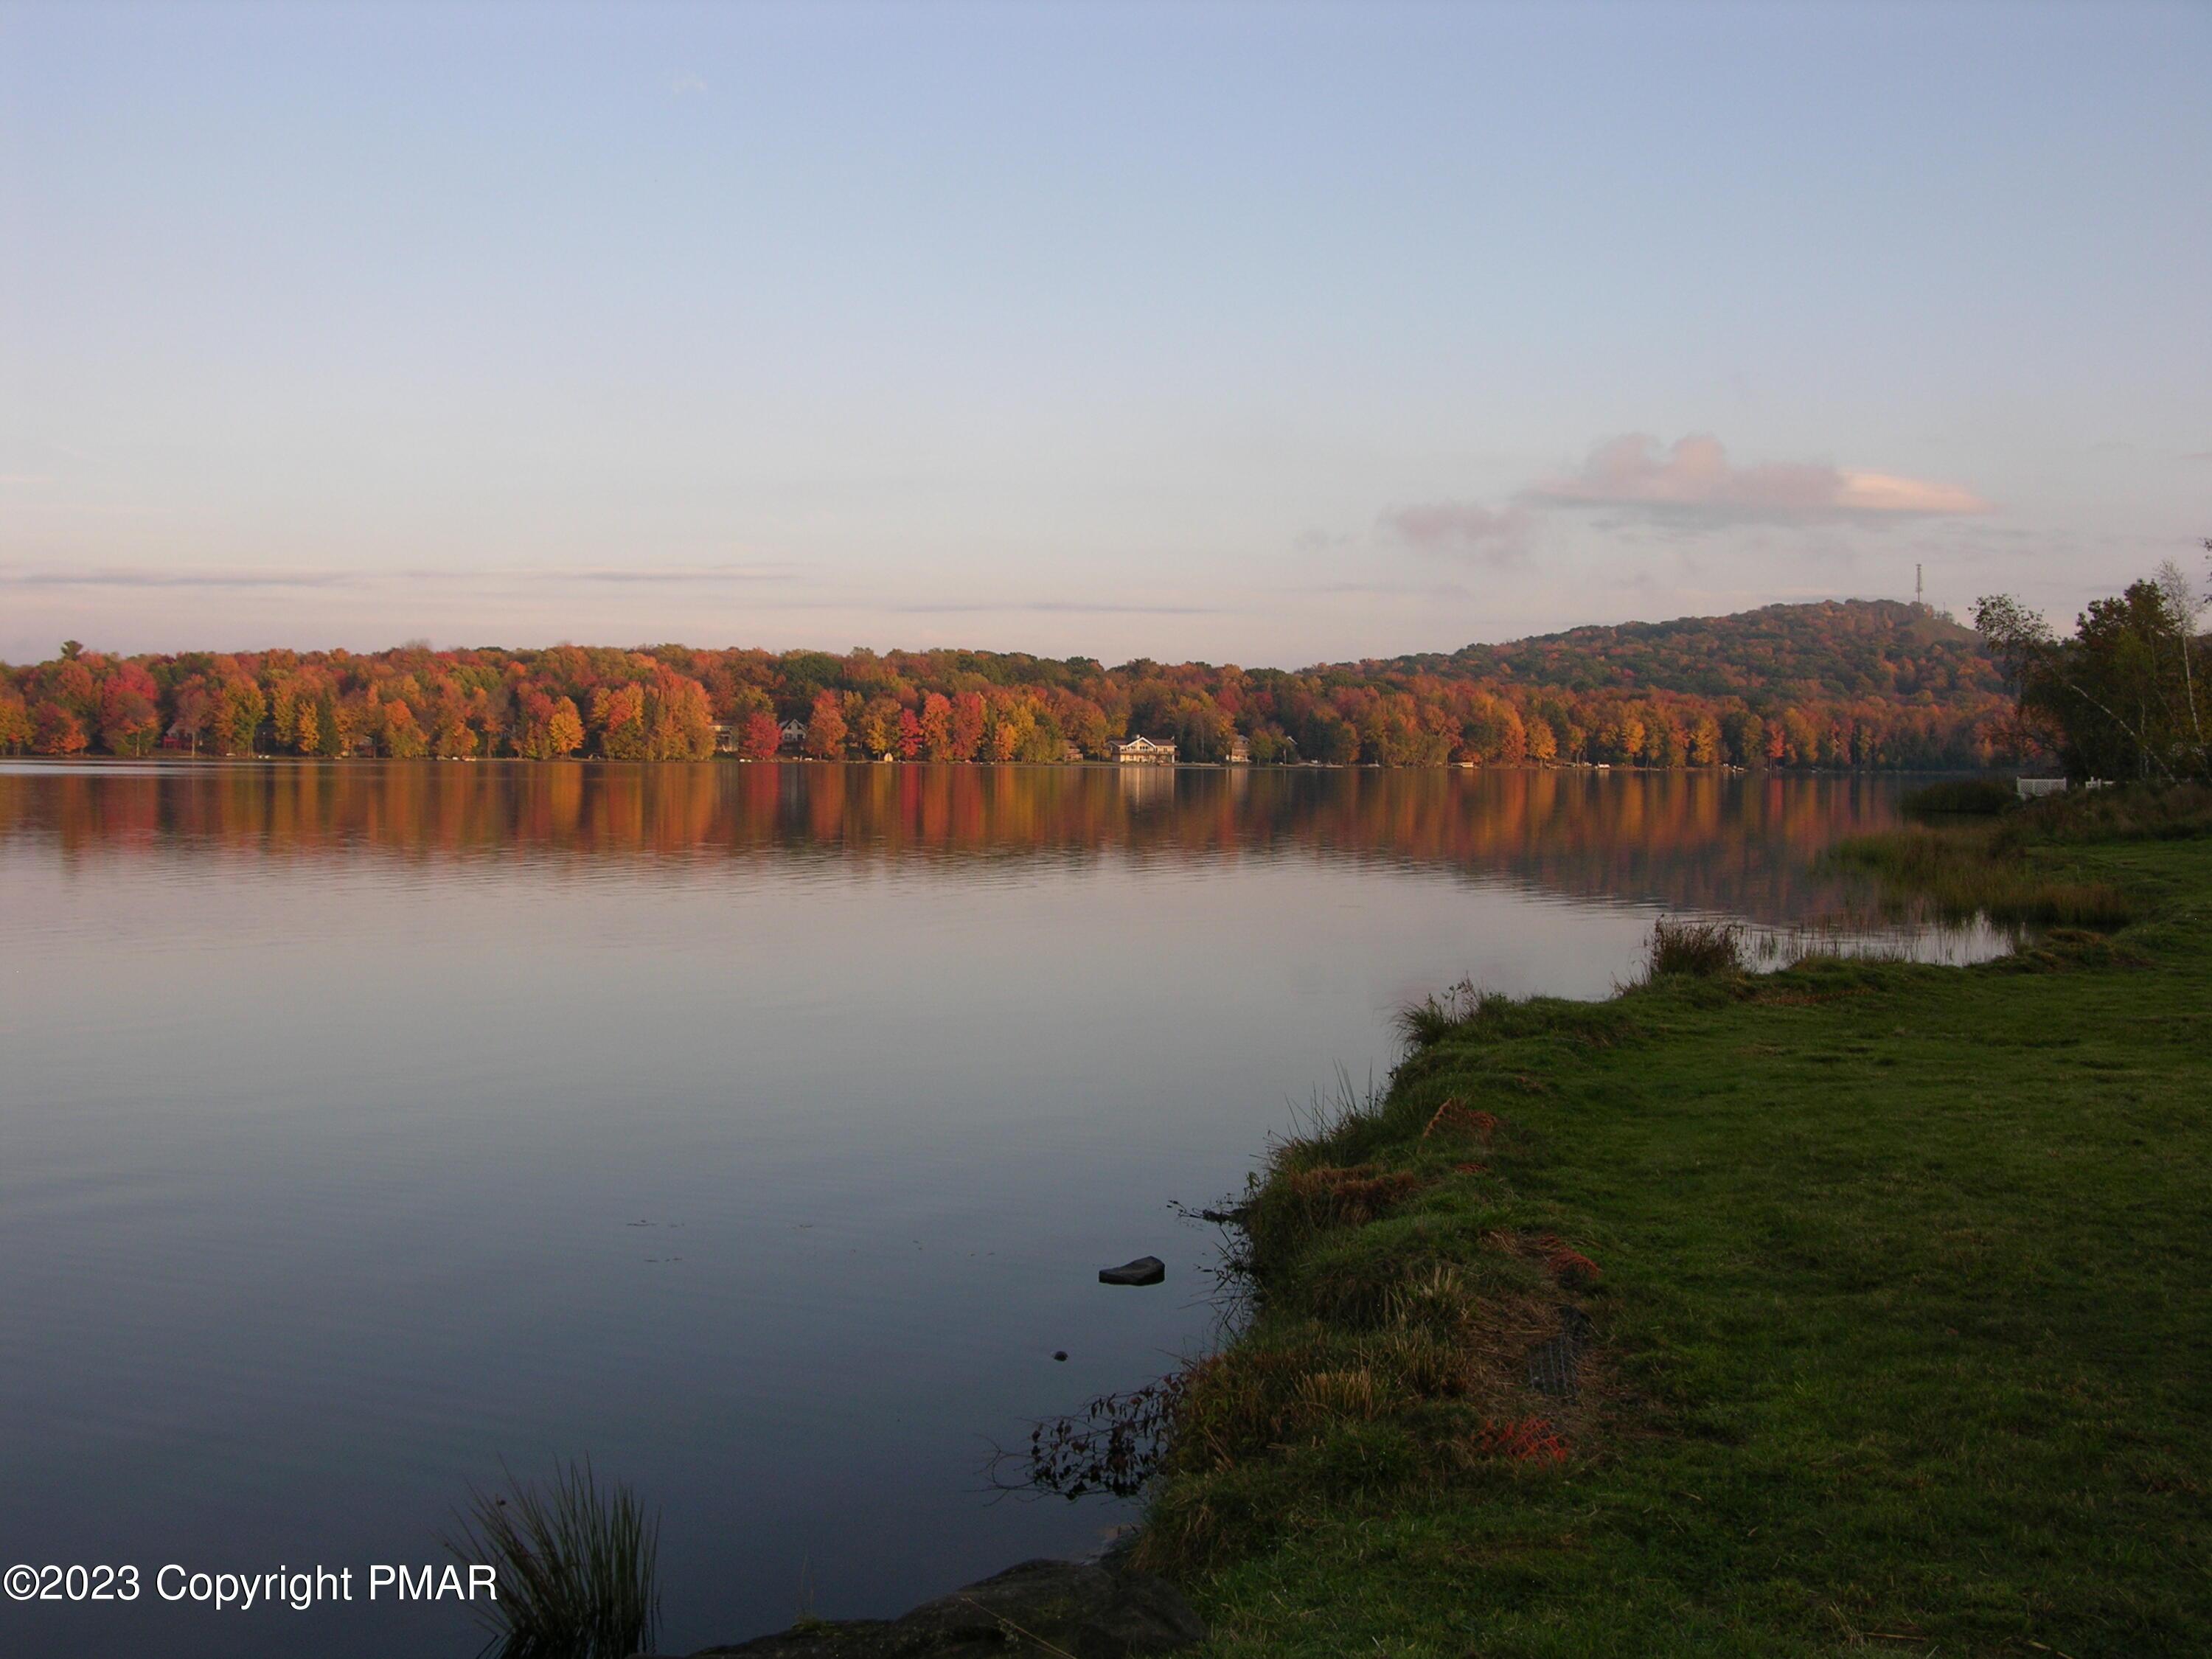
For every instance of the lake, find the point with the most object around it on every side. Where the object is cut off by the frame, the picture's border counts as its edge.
(756, 1131)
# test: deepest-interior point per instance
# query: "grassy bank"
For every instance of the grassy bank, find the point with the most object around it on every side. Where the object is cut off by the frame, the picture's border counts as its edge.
(1898, 1284)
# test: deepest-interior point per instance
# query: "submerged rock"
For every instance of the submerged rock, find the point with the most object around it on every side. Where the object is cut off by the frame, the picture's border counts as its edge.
(1075, 1607)
(1144, 1270)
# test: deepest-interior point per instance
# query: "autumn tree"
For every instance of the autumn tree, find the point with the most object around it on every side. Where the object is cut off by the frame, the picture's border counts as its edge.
(130, 716)
(56, 730)
(936, 723)
(967, 727)
(402, 736)
(16, 730)
(240, 707)
(618, 722)
(564, 729)
(760, 736)
(825, 727)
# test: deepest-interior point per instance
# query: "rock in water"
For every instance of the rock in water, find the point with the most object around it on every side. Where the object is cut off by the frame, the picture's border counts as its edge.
(1144, 1270)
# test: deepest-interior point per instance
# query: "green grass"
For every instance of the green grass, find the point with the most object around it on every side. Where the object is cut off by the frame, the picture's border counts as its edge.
(1901, 1278)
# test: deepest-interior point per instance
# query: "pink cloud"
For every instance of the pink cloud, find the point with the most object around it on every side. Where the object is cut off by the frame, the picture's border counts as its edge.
(1694, 478)
(1461, 530)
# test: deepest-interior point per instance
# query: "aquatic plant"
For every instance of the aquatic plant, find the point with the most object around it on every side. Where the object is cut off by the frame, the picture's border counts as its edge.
(577, 1564)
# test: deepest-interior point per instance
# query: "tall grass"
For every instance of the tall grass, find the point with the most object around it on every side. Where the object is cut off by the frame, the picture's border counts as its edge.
(577, 1565)
(1962, 873)
(1701, 949)
(2178, 811)
(1438, 1014)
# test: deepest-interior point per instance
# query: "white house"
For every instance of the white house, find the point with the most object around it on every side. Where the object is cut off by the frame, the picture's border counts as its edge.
(1143, 751)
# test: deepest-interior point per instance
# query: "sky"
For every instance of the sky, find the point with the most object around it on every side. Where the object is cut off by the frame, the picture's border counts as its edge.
(1265, 334)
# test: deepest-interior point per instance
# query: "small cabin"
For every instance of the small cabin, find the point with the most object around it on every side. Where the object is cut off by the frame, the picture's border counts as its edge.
(791, 735)
(1144, 751)
(1240, 750)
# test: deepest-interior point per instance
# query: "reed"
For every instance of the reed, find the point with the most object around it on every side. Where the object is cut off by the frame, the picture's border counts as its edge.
(1962, 871)
(577, 1565)
(1703, 950)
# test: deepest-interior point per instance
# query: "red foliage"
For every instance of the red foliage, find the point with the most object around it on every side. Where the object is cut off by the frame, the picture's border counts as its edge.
(1525, 1440)
(1830, 685)
(1568, 1266)
(1455, 1117)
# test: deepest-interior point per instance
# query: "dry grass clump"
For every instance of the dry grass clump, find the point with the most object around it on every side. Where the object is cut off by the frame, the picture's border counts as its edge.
(1392, 1350)
(1525, 1440)
(1349, 1197)
(1297, 1204)
(1457, 1116)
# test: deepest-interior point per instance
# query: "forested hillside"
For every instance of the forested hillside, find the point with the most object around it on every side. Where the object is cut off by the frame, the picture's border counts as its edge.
(1837, 648)
(1857, 683)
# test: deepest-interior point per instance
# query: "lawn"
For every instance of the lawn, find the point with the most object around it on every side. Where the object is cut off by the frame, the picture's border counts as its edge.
(1899, 1284)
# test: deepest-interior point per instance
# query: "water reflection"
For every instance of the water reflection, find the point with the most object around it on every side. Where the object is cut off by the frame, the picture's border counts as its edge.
(757, 1131)
(1700, 841)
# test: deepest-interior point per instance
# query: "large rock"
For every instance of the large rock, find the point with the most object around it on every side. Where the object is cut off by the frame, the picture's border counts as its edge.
(1039, 1607)
(1144, 1270)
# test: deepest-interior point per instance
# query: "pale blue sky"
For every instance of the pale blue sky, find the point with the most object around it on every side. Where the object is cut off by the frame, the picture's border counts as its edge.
(1256, 333)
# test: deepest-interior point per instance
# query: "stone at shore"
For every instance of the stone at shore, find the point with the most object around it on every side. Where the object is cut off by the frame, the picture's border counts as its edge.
(1040, 1607)
(1144, 1270)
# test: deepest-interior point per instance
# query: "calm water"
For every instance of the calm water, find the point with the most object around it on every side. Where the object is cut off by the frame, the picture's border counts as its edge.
(756, 1130)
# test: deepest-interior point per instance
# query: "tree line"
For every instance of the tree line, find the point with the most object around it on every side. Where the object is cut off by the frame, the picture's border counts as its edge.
(2130, 695)
(1927, 704)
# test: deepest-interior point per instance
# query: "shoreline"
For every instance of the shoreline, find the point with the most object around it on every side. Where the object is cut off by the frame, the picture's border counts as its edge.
(1579, 1336)
(128, 762)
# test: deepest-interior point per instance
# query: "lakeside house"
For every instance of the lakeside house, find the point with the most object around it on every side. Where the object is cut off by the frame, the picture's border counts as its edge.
(725, 738)
(1240, 749)
(791, 735)
(1143, 751)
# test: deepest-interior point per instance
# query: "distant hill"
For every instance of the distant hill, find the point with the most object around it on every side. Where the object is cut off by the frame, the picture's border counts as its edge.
(1790, 653)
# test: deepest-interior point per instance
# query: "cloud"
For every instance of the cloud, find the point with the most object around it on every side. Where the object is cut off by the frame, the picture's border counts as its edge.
(678, 574)
(1049, 607)
(1694, 479)
(1462, 530)
(136, 578)
(679, 85)
(149, 577)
